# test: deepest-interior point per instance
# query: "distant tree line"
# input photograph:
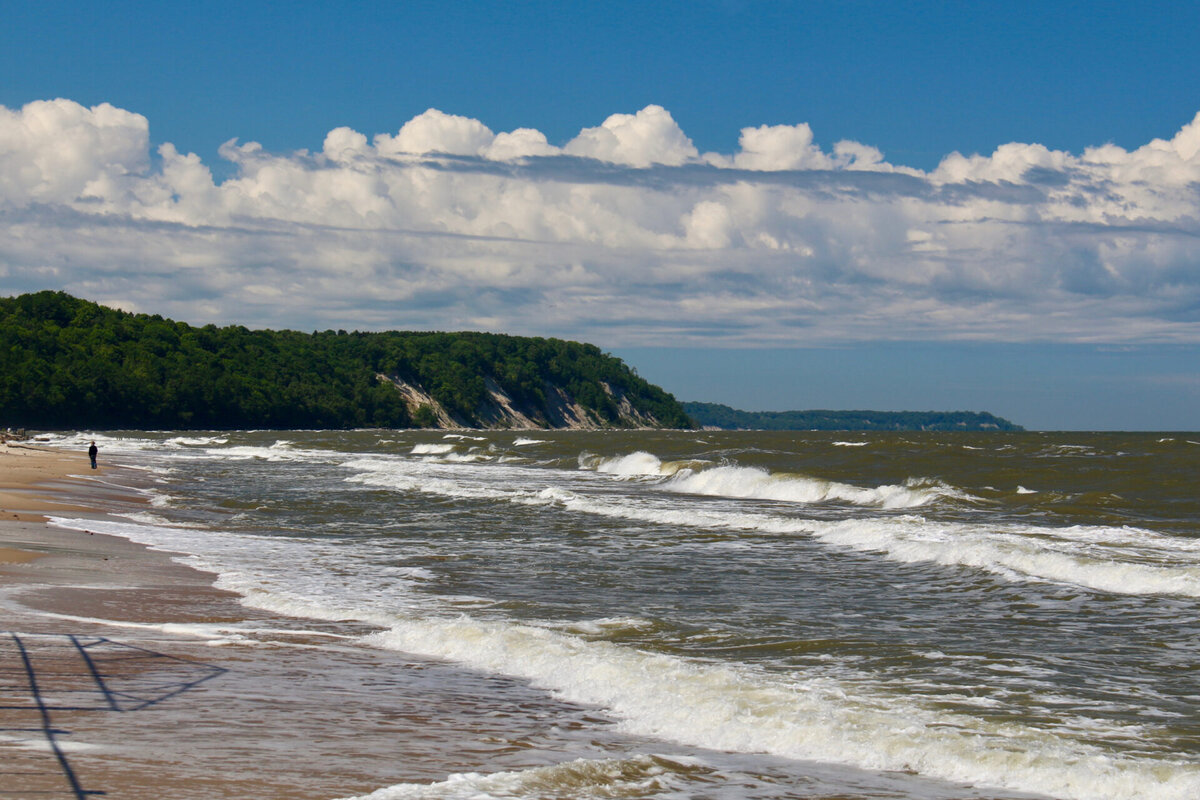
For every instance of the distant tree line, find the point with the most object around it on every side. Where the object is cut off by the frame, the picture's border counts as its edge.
(70, 363)
(721, 416)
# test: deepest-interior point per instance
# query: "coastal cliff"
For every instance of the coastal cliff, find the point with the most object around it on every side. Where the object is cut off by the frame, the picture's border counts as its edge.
(500, 410)
(67, 362)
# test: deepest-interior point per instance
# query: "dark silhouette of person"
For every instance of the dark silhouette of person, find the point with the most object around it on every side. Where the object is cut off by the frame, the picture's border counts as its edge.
(92, 451)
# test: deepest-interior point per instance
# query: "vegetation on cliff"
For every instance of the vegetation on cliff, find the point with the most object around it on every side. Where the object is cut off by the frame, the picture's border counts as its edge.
(67, 362)
(715, 415)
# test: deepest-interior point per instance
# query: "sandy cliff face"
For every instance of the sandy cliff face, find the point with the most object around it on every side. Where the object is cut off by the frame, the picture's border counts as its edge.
(501, 411)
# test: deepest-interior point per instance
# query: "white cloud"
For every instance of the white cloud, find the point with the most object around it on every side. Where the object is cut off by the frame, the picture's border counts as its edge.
(517, 144)
(709, 225)
(344, 144)
(58, 151)
(648, 137)
(779, 147)
(623, 235)
(437, 132)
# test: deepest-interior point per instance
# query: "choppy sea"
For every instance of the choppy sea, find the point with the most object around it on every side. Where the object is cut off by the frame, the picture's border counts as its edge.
(735, 614)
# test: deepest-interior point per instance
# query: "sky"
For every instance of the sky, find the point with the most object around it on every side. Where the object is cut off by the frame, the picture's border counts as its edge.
(774, 205)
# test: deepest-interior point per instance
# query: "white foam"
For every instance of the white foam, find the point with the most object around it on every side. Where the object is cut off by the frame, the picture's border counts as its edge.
(631, 465)
(281, 450)
(605, 626)
(1119, 560)
(850, 444)
(759, 484)
(733, 481)
(431, 449)
(107, 444)
(739, 708)
(148, 518)
(524, 442)
(43, 744)
(467, 458)
(640, 776)
(196, 441)
(416, 573)
(213, 635)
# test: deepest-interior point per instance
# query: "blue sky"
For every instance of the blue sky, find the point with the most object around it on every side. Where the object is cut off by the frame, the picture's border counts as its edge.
(909, 205)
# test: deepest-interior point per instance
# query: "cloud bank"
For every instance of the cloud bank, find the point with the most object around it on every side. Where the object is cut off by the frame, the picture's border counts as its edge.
(624, 235)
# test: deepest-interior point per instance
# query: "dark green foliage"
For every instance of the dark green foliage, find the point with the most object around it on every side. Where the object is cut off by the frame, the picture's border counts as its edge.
(66, 362)
(424, 417)
(719, 416)
(455, 367)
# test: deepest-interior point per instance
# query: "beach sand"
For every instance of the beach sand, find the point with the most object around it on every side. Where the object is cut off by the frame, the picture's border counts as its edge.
(128, 674)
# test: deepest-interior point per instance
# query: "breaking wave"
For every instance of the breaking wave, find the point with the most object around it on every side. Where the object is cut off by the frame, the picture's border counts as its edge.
(753, 483)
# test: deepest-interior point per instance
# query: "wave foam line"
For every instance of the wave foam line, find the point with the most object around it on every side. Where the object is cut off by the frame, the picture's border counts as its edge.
(725, 707)
(1118, 561)
(754, 483)
(737, 708)
(431, 449)
(585, 779)
(1126, 561)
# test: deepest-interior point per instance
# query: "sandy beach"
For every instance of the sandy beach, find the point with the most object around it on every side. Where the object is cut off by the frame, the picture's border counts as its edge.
(127, 674)
(67, 666)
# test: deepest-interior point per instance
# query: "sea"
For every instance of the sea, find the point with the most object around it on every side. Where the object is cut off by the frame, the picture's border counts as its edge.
(719, 614)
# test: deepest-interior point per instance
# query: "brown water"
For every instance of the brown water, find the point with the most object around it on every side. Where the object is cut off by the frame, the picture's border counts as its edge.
(647, 614)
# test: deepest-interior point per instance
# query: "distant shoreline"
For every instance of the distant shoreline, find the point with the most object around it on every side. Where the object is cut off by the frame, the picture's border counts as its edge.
(722, 417)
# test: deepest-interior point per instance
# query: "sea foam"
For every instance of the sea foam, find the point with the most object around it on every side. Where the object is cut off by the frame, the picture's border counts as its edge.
(753, 483)
(432, 449)
(1117, 560)
(759, 484)
(640, 776)
(739, 708)
(734, 707)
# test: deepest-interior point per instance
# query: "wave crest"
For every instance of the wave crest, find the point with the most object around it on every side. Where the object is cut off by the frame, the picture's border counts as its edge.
(755, 483)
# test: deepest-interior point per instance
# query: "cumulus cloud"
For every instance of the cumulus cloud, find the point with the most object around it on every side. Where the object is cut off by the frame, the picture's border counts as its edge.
(437, 132)
(58, 151)
(625, 234)
(648, 137)
(777, 147)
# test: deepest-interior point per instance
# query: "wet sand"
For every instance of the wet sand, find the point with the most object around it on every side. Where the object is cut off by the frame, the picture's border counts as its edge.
(125, 673)
(70, 668)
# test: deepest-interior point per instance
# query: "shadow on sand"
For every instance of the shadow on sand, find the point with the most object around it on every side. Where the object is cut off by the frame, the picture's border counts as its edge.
(44, 675)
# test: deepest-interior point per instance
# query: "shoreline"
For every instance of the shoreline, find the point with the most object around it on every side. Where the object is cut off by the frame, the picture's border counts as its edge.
(131, 675)
(67, 598)
(63, 571)
(204, 697)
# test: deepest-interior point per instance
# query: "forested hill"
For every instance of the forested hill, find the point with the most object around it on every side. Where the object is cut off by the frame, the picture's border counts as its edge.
(714, 415)
(70, 363)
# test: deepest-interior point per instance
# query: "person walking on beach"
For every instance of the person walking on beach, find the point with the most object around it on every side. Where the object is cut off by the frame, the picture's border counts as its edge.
(92, 451)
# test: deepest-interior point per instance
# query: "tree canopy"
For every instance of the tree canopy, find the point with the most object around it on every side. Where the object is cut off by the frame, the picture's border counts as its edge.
(71, 363)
